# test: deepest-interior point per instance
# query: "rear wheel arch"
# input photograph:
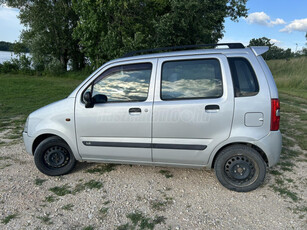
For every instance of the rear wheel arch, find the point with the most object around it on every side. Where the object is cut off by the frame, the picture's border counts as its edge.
(259, 150)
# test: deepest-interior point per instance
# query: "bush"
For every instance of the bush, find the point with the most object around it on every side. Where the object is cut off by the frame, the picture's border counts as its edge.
(24, 64)
(55, 67)
(9, 67)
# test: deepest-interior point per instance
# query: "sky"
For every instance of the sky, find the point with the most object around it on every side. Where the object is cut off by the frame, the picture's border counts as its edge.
(283, 21)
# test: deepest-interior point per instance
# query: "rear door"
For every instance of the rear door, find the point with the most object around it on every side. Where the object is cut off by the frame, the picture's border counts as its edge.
(193, 108)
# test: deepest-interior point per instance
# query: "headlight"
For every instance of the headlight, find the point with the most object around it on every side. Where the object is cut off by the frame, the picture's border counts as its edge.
(26, 126)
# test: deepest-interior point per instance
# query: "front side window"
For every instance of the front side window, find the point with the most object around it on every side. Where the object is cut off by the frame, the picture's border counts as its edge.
(126, 83)
(191, 79)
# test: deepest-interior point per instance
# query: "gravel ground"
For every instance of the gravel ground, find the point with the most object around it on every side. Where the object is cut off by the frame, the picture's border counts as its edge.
(187, 199)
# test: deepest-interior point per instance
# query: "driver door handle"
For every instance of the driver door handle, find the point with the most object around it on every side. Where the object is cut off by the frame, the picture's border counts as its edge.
(135, 111)
(212, 108)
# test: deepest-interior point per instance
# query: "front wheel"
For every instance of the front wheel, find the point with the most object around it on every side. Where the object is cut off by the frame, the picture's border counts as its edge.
(240, 168)
(53, 157)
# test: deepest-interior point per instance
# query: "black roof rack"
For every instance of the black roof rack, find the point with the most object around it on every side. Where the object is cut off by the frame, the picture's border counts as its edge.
(156, 50)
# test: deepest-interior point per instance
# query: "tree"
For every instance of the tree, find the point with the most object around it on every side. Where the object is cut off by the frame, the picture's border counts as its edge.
(304, 51)
(107, 29)
(274, 52)
(6, 46)
(49, 26)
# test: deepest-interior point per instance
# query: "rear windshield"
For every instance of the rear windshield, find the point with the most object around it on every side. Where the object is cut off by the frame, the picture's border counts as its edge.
(243, 76)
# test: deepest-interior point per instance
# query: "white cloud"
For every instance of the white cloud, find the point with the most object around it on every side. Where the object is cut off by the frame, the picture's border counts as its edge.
(10, 26)
(275, 41)
(278, 21)
(262, 18)
(296, 25)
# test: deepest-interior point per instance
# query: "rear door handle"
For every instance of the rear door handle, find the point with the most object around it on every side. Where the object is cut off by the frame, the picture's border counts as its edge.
(135, 110)
(212, 108)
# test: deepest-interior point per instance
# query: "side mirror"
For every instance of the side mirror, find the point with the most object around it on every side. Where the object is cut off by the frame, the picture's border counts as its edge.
(100, 98)
(88, 100)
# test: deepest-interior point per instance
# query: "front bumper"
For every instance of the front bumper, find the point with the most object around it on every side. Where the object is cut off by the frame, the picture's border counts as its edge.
(28, 141)
(271, 145)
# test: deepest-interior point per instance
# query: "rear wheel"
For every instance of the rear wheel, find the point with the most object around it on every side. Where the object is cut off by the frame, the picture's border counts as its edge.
(53, 157)
(240, 168)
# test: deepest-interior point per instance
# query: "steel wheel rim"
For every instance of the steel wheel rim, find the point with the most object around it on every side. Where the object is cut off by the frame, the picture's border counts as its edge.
(56, 157)
(240, 169)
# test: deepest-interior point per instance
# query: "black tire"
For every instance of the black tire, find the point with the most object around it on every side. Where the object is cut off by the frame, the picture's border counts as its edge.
(54, 157)
(240, 168)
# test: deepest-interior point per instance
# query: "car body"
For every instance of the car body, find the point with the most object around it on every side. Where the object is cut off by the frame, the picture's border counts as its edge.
(179, 108)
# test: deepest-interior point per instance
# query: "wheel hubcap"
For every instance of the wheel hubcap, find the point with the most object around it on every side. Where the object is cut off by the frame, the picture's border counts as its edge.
(239, 169)
(56, 157)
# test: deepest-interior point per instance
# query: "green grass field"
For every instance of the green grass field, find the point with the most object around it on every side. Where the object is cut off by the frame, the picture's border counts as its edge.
(21, 95)
(290, 76)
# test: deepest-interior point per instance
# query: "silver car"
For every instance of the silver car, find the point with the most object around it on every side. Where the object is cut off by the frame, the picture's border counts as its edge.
(216, 108)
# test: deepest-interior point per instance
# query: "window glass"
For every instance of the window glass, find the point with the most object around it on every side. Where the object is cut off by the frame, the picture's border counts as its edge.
(124, 83)
(243, 77)
(191, 79)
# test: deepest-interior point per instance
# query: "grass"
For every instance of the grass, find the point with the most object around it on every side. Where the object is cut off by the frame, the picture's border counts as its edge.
(285, 192)
(106, 202)
(5, 166)
(4, 158)
(103, 212)
(92, 184)
(166, 173)
(61, 190)
(90, 227)
(293, 126)
(140, 221)
(158, 205)
(21, 95)
(161, 204)
(289, 75)
(50, 199)
(68, 207)
(39, 181)
(45, 219)
(101, 169)
(8, 218)
(65, 189)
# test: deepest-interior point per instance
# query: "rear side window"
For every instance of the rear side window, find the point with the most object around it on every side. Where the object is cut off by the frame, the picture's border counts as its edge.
(243, 76)
(191, 79)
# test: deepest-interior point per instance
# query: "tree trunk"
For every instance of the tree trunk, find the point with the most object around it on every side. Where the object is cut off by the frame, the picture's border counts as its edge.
(64, 60)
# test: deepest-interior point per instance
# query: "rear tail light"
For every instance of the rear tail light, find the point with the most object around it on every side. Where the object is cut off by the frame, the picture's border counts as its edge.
(275, 114)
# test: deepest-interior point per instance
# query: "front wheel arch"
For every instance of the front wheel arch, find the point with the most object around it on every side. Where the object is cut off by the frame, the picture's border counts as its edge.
(41, 138)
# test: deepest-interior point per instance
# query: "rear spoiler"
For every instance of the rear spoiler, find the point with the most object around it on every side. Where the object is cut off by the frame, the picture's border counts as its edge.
(258, 50)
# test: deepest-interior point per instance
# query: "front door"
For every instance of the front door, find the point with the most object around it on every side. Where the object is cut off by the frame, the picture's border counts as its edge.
(193, 108)
(120, 129)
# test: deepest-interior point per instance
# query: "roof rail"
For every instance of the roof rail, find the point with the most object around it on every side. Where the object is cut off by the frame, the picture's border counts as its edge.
(156, 50)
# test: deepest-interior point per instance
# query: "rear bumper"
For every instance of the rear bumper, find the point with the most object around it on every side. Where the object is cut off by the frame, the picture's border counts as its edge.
(271, 145)
(28, 141)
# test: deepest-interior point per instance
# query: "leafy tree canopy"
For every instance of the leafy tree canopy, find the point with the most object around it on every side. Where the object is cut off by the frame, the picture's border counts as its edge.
(48, 34)
(57, 30)
(107, 29)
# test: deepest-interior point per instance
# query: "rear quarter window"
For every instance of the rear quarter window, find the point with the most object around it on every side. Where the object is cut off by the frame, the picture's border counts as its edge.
(243, 76)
